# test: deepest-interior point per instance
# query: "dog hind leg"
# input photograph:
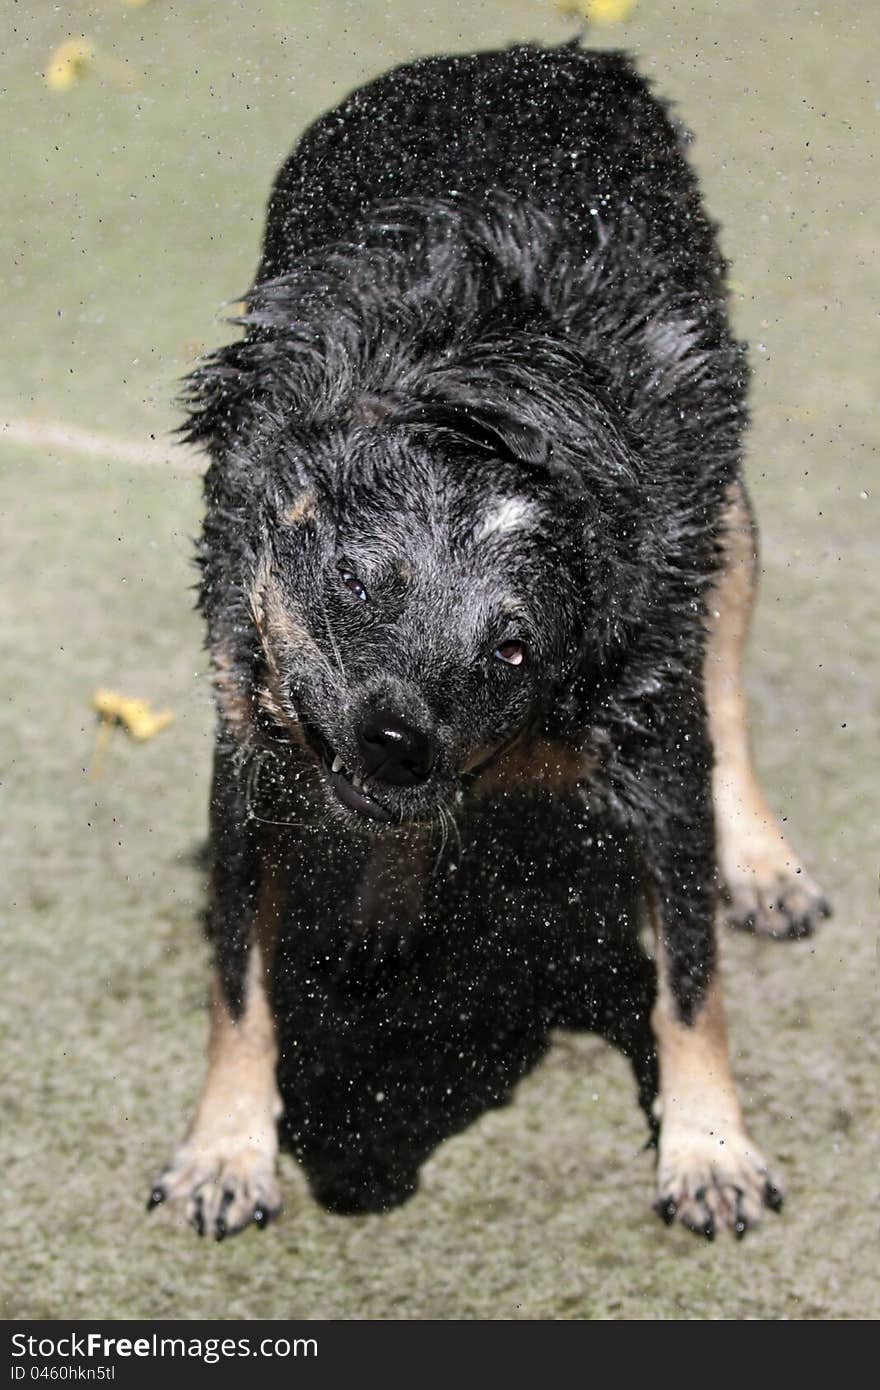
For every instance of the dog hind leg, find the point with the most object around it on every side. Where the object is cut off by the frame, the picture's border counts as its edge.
(766, 889)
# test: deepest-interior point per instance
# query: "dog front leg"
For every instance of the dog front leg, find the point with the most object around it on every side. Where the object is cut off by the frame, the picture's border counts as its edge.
(767, 891)
(223, 1174)
(711, 1176)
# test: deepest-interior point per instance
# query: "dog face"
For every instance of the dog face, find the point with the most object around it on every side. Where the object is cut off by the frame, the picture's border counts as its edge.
(427, 522)
(415, 612)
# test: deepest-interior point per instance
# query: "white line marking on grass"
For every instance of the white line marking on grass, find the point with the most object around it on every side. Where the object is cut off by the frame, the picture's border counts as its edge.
(48, 434)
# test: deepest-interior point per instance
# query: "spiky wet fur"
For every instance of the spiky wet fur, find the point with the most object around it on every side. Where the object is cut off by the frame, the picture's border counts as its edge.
(432, 331)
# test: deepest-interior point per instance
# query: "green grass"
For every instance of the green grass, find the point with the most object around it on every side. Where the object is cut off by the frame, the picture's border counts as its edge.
(129, 217)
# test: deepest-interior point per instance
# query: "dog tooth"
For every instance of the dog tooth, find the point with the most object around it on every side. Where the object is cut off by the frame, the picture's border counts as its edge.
(337, 764)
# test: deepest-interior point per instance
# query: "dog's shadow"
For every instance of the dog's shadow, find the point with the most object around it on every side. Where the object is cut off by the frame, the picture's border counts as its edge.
(388, 1047)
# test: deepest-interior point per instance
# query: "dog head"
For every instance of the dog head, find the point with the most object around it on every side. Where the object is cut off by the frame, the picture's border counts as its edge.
(421, 591)
(428, 514)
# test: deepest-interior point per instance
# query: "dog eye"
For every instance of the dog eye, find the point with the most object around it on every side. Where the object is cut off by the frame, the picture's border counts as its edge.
(352, 582)
(512, 653)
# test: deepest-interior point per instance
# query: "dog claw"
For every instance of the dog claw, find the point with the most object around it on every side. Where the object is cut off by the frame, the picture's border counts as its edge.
(706, 1227)
(222, 1190)
(666, 1210)
(740, 1221)
(773, 1198)
(787, 908)
(710, 1192)
(221, 1230)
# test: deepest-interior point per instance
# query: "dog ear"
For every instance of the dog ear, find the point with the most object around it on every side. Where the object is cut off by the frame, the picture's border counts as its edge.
(487, 426)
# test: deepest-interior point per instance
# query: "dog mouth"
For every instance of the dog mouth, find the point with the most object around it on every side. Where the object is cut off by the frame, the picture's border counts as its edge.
(349, 788)
(355, 790)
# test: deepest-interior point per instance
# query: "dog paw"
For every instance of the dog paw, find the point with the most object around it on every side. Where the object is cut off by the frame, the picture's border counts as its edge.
(710, 1185)
(785, 906)
(220, 1190)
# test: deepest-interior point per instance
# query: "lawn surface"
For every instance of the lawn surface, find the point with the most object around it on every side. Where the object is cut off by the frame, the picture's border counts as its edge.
(131, 215)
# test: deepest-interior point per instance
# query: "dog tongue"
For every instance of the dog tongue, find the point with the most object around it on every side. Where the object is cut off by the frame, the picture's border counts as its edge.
(355, 800)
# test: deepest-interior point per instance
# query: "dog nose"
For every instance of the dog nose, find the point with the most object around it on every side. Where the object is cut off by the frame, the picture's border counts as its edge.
(393, 750)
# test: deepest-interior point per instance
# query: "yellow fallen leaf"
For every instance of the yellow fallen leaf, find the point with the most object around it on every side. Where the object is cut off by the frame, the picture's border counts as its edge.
(600, 11)
(75, 58)
(69, 63)
(136, 717)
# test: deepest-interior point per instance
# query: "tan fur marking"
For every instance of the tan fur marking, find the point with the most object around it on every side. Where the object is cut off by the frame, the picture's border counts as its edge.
(249, 1042)
(739, 801)
(231, 1145)
(538, 763)
(277, 621)
(697, 1088)
(758, 866)
(302, 510)
(239, 1091)
(233, 699)
(279, 630)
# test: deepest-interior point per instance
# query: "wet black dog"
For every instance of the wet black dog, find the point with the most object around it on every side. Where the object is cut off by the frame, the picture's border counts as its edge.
(476, 524)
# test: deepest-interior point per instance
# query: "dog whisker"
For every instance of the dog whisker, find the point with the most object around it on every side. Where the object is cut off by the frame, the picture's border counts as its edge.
(441, 821)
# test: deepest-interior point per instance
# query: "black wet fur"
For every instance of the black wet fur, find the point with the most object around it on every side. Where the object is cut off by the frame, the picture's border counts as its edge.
(485, 393)
(527, 929)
